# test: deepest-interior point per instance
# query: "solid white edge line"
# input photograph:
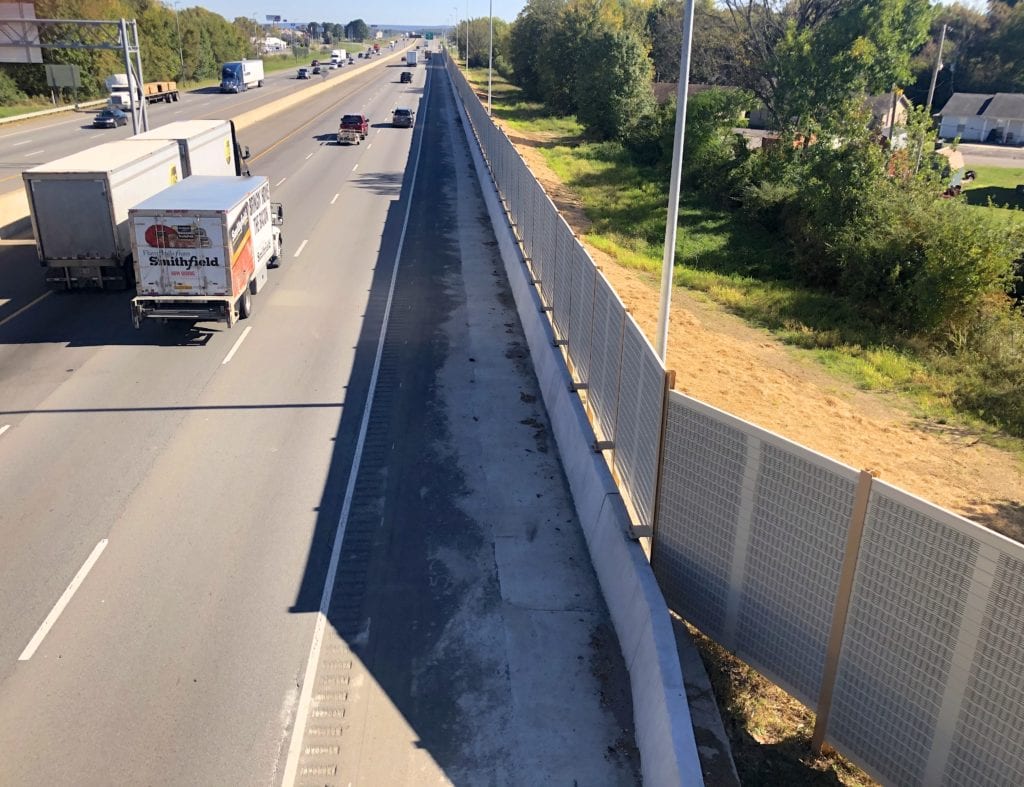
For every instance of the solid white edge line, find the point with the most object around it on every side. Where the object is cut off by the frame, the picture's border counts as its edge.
(282, 180)
(62, 602)
(335, 198)
(236, 345)
(355, 167)
(26, 307)
(370, 145)
(4, 428)
(309, 676)
(302, 245)
(35, 152)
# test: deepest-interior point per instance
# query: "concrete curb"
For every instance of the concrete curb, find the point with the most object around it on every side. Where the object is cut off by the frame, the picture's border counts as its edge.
(14, 217)
(53, 111)
(664, 731)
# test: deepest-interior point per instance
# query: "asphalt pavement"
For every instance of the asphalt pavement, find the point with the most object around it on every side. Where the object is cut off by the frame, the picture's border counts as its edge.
(172, 496)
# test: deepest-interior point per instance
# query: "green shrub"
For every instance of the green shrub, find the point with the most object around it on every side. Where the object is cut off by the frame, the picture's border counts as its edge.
(9, 92)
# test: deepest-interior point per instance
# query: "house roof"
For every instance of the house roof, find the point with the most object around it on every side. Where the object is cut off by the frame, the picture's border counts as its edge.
(880, 105)
(1006, 106)
(964, 104)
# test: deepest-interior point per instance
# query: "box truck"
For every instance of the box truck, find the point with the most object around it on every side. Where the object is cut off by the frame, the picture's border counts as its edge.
(202, 248)
(79, 209)
(339, 56)
(240, 75)
(208, 147)
(410, 58)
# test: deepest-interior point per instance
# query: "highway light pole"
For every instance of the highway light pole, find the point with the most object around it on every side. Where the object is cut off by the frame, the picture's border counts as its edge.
(177, 26)
(467, 35)
(490, 54)
(672, 221)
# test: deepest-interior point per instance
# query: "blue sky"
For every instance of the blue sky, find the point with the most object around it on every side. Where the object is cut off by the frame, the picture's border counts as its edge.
(396, 12)
(383, 12)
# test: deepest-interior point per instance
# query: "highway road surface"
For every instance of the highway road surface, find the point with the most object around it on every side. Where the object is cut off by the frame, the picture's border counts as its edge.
(222, 565)
(35, 141)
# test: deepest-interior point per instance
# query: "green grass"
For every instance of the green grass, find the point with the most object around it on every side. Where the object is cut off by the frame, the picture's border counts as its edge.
(998, 184)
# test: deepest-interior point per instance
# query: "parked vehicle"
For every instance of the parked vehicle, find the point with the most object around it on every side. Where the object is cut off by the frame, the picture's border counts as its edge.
(403, 117)
(207, 147)
(405, 76)
(79, 209)
(202, 248)
(303, 73)
(109, 118)
(238, 76)
(410, 58)
(119, 90)
(353, 129)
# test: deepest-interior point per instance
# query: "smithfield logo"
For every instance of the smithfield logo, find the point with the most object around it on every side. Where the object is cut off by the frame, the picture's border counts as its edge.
(188, 263)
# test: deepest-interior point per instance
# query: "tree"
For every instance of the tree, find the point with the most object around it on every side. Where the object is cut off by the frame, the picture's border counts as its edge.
(357, 30)
(613, 90)
(529, 39)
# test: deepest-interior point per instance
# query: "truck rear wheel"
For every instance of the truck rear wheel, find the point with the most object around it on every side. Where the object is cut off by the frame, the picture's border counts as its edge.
(245, 305)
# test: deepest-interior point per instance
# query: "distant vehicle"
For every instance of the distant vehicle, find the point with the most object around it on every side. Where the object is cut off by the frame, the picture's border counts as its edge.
(315, 63)
(353, 129)
(403, 117)
(359, 55)
(317, 69)
(376, 48)
(410, 58)
(119, 95)
(351, 60)
(338, 54)
(238, 76)
(303, 73)
(406, 76)
(110, 118)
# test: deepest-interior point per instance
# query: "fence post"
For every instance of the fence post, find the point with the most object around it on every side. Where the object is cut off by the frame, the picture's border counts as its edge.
(842, 607)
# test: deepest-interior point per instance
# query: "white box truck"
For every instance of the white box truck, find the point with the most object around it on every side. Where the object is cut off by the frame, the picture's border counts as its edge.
(79, 208)
(202, 248)
(410, 58)
(237, 76)
(208, 147)
(339, 56)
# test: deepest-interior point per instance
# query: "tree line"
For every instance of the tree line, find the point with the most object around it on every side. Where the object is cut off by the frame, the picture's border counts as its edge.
(863, 217)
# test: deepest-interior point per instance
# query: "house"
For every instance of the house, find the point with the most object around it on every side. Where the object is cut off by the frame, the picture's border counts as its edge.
(984, 117)
(273, 44)
(888, 113)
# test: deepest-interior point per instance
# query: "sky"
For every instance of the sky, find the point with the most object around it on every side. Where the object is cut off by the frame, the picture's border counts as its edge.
(378, 12)
(382, 12)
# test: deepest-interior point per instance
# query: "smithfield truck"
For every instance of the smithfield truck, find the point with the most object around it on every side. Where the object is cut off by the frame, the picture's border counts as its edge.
(208, 147)
(202, 248)
(238, 76)
(79, 209)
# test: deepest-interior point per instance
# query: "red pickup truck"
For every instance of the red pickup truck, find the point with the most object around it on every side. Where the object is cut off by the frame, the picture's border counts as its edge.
(353, 130)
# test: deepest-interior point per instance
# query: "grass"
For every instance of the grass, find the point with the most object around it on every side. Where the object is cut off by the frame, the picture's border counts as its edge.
(998, 184)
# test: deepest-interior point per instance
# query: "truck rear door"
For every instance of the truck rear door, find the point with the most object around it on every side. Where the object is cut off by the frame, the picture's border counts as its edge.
(73, 220)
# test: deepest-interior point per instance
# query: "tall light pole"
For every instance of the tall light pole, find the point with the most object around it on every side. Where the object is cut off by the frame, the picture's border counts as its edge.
(672, 221)
(467, 35)
(177, 25)
(490, 53)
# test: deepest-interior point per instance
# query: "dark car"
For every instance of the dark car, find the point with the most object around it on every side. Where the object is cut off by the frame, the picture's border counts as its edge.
(406, 76)
(303, 73)
(403, 117)
(110, 118)
(316, 69)
(315, 63)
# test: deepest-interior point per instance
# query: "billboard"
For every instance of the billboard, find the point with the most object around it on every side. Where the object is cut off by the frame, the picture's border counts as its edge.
(19, 41)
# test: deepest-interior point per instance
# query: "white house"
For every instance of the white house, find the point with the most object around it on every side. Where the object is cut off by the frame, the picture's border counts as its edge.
(273, 44)
(984, 117)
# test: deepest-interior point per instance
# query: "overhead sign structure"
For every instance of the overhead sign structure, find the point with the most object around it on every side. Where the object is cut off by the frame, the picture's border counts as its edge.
(19, 41)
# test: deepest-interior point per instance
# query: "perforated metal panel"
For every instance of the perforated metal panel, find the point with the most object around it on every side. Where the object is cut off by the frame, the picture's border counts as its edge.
(638, 426)
(798, 529)
(561, 291)
(987, 746)
(546, 247)
(907, 605)
(698, 508)
(606, 357)
(581, 321)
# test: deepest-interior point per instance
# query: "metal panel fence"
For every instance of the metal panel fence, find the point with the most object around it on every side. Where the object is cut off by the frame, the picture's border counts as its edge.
(900, 623)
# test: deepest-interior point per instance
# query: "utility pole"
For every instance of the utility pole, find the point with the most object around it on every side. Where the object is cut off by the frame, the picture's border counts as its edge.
(672, 222)
(490, 56)
(181, 54)
(467, 35)
(935, 73)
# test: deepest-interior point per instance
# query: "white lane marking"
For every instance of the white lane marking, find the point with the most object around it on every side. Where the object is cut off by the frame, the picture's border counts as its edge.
(335, 198)
(282, 180)
(62, 602)
(26, 307)
(35, 152)
(309, 676)
(379, 130)
(177, 111)
(23, 142)
(236, 345)
(370, 145)
(309, 157)
(4, 428)
(302, 245)
(355, 167)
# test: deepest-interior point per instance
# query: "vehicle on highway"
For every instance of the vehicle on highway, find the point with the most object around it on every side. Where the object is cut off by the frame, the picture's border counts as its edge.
(109, 118)
(119, 92)
(351, 60)
(353, 129)
(333, 64)
(317, 69)
(79, 209)
(410, 58)
(238, 76)
(315, 63)
(207, 147)
(405, 76)
(403, 117)
(303, 73)
(359, 55)
(202, 248)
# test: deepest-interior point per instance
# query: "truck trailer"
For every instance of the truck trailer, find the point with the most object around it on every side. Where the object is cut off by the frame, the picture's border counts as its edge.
(79, 209)
(202, 248)
(238, 76)
(119, 89)
(410, 58)
(208, 147)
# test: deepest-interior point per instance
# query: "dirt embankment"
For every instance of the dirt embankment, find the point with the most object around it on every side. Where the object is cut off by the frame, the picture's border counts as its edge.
(721, 360)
